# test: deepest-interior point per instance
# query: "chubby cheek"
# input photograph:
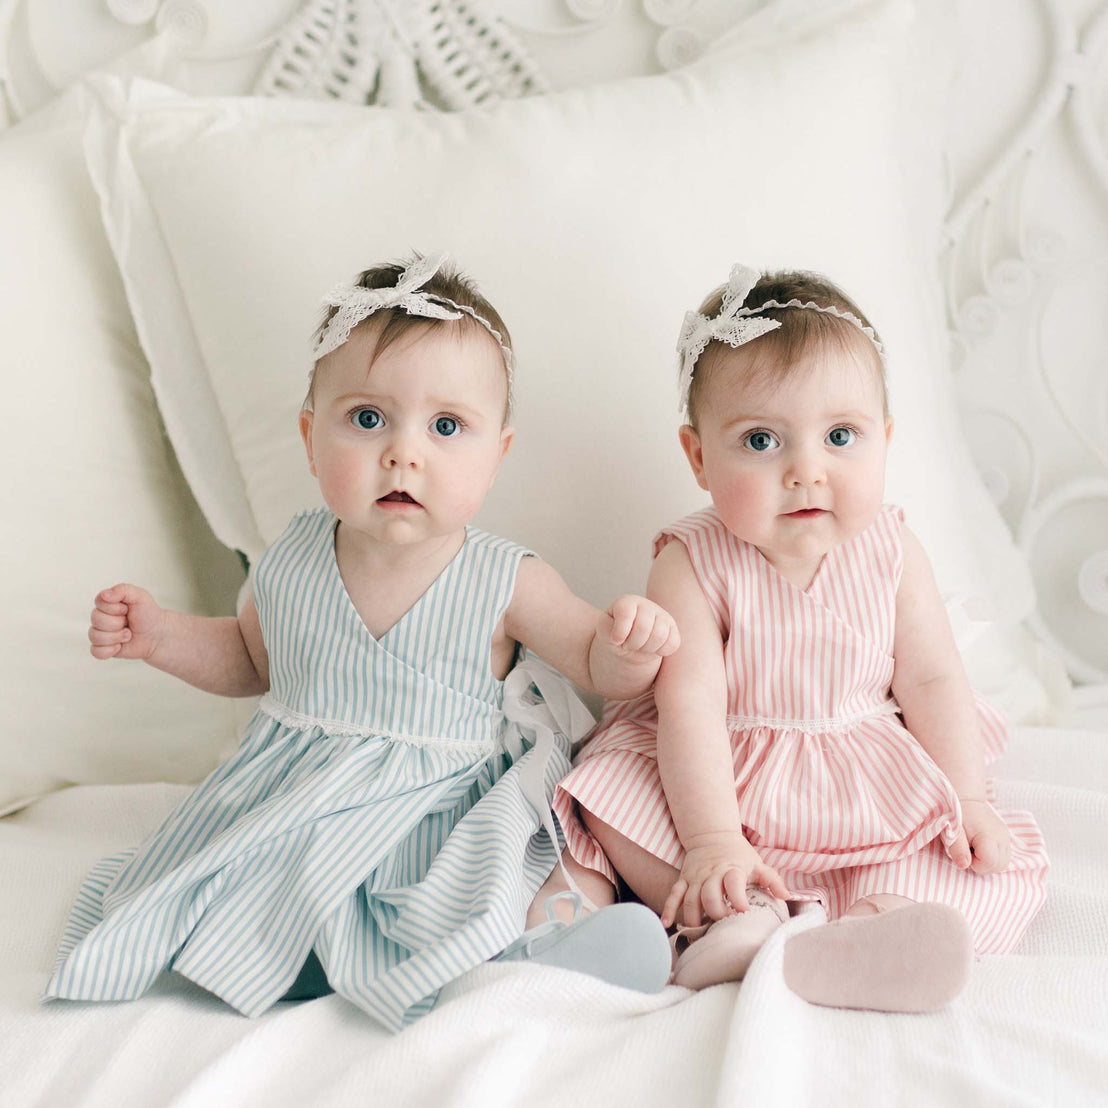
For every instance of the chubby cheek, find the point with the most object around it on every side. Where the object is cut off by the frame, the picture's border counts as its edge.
(740, 497)
(464, 487)
(337, 493)
(467, 476)
(341, 481)
(863, 496)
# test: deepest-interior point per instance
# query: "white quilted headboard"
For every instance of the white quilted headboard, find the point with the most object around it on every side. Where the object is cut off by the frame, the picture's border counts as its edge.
(1026, 256)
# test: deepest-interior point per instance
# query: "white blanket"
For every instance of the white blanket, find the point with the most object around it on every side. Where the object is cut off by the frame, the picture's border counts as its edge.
(1031, 1029)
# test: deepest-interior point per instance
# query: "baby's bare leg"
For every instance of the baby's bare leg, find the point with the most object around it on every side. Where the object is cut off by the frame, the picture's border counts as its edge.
(877, 902)
(648, 877)
(623, 944)
(594, 885)
(726, 955)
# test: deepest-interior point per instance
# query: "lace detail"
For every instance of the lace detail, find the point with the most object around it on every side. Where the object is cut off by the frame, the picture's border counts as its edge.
(736, 325)
(355, 303)
(399, 53)
(827, 309)
(283, 714)
(836, 725)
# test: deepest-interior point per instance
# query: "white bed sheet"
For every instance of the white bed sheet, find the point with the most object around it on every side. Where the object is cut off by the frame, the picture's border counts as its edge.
(1031, 1029)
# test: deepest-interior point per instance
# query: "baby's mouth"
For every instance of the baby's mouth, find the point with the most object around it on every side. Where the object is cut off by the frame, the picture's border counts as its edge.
(398, 497)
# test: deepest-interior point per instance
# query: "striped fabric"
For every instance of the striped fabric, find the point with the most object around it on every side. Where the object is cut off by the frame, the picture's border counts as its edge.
(376, 812)
(833, 791)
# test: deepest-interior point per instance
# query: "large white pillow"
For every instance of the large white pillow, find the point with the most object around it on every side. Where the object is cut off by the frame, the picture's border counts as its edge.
(593, 219)
(91, 495)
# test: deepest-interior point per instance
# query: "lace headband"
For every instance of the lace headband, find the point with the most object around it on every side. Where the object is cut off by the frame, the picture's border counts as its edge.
(355, 303)
(736, 325)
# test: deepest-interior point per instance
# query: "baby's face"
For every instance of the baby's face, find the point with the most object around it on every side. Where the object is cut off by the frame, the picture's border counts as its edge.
(407, 451)
(795, 466)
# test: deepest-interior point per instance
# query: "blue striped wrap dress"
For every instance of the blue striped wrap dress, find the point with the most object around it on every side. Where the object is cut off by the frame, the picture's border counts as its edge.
(388, 807)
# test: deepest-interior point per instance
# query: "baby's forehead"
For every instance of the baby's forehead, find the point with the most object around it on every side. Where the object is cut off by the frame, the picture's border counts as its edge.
(462, 348)
(463, 363)
(829, 376)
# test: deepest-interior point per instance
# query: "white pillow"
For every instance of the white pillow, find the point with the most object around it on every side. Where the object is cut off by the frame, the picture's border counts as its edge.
(592, 218)
(91, 495)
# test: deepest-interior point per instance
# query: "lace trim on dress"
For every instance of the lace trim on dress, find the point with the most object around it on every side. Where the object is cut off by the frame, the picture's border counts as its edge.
(283, 714)
(836, 725)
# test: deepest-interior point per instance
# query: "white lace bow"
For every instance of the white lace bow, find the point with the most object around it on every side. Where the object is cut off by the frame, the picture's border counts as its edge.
(355, 303)
(736, 325)
(729, 327)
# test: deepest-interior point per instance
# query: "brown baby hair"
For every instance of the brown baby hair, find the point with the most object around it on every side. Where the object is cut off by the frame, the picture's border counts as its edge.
(447, 283)
(772, 355)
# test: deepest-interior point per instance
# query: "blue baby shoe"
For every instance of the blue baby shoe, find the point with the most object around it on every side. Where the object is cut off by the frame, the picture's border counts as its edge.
(623, 944)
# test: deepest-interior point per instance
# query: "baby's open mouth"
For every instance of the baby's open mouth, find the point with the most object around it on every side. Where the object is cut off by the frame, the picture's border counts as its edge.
(398, 497)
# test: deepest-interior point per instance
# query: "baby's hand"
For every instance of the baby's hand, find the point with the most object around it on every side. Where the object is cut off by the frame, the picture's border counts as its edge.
(713, 880)
(634, 625)
(984, 844)
(126, 623)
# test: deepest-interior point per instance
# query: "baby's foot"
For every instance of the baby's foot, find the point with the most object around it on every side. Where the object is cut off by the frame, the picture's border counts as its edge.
(722, 951)
(910, 959)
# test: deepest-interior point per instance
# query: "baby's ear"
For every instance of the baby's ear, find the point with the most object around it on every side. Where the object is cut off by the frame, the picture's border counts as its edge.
(507, 434)
(306, 422)
(690, 443)
(888, 429)
(507, 437)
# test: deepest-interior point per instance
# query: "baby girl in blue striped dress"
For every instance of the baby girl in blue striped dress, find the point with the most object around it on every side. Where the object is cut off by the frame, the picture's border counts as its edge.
(385, 824)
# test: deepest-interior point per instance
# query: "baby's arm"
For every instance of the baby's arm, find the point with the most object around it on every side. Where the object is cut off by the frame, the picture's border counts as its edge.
(614, 653)
(694, 755)
(222, 655)
(934, 694)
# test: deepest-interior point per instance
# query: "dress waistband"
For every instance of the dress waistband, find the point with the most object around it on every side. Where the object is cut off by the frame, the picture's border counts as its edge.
(834, 725)
(283, 714)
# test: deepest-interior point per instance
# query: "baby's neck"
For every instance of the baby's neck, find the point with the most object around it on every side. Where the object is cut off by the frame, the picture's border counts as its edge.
(798, 572)
(384, 580)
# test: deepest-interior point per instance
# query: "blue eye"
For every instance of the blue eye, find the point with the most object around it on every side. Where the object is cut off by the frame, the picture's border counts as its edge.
(760, 441)
(368, 419)
(841, 436)
(447, 426)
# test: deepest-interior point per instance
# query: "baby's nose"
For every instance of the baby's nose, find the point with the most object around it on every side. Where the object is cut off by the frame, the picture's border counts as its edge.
(401, 451)
(805, 468)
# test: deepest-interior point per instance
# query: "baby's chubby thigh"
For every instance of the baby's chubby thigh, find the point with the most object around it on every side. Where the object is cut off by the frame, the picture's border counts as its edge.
(613, 811)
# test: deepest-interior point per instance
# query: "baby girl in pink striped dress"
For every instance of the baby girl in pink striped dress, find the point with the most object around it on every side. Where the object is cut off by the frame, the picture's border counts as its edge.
(815, 737)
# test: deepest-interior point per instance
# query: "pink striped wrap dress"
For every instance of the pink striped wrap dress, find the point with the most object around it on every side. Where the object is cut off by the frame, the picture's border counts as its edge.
(833, 790)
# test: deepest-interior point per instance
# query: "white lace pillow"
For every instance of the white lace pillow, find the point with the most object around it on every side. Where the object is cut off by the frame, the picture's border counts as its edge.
(593, 219)
(92, 494)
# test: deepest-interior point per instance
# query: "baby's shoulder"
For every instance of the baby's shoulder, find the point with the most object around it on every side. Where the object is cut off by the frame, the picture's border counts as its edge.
(886, 532)
(492, 572)
(704, 536)
(310, 519)
(484, 542)
(704, 521)
(307, 528)
(306, 522)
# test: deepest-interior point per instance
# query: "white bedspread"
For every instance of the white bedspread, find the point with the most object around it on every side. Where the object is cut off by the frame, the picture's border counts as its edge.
(1032, 1028)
